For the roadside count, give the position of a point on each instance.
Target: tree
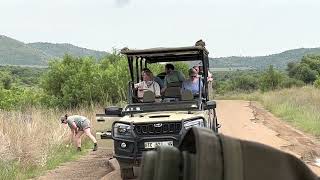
(304, 73)
(6, 79)
(307, 70)
(317, 82)
(245, 83)
(76, 81)
(270, 79)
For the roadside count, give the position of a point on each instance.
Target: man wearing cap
(79, 125)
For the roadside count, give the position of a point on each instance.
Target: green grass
(298, 106)
(59, 155)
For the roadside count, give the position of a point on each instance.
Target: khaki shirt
(147, 86)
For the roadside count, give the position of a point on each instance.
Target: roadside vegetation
(32, 100)
(293, 95)
(33, 141)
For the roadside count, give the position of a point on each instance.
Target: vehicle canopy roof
(155, 55)
(138, 59)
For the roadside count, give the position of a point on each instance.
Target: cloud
(122, 3)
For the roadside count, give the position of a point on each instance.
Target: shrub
(76, 81)
(245, 83)
(291, 82)
(270, 79)
(317, 82)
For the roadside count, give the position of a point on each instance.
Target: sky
(229, 27)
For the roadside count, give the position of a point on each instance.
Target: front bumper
(134, 149)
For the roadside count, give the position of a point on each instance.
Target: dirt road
(249, 121)
(241, 119)
(92, 166)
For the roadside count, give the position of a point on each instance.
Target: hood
(162, 116)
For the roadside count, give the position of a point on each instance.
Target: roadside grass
(298, 106)
(34, 141)
(61, 154)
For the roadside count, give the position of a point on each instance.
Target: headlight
(191, 123)
(120, 129)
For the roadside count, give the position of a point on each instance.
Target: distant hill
(14, 52)
(279, 61)
(17, 53)
(58, 50)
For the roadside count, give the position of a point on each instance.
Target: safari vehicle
(159, 121)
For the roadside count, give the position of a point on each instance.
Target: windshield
(168, 83)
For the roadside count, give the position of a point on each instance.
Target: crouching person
(79, 125)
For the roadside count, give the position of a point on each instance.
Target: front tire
(126, 171)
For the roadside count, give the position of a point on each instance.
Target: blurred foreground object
(203, 155)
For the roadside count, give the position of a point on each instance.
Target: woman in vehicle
(193, 83)
(148, 84)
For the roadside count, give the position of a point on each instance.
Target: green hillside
(279, 61)
(14, 52)
(58, 50)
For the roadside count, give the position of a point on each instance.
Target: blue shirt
(192, 86)
(159, 81)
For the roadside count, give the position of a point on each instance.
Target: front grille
(153, 129)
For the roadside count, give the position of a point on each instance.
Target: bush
(307, 70)
(245, 83)
(291, 82)
(76, 81)
(317, 82)
(18, 98)
(6, 79)
(223, 87)
(271, 79)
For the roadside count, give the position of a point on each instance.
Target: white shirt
(147, 86)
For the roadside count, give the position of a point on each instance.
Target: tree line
(76, 81)
(72, 82)
(305, 72)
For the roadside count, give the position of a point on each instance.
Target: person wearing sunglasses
(193, 83)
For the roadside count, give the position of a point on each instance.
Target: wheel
(126, 170)
(127, 173)
(216, 125)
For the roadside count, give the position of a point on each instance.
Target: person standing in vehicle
(197, 68)
(79, 125)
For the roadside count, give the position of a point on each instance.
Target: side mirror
(113, 111)
(210, 105)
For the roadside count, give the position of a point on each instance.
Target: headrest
(172, 92)
(186, 95)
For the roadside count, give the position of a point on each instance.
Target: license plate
(152, 145)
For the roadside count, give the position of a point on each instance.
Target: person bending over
(79, 125)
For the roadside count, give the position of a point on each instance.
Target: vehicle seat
(148, 96)
(174, 84)
(172, 92)
(161, 75)
(186, 95)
